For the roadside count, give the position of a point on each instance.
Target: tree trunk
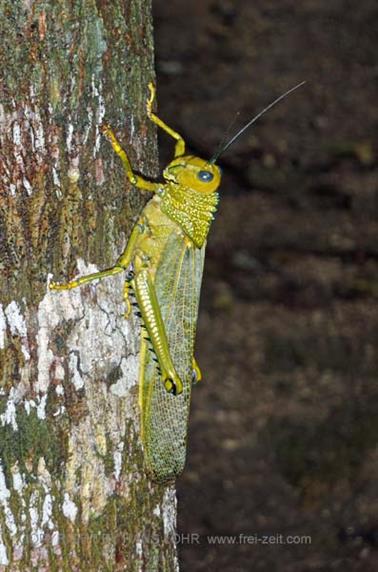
(73, 493)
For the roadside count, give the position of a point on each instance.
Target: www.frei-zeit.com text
(253, 539)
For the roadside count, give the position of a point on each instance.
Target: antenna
(224, 138)
(253, 120)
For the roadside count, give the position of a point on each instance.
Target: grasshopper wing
(165, 416)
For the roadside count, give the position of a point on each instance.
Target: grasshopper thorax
(193, 173)
(190, 195)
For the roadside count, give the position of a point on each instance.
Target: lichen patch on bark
(70, 394)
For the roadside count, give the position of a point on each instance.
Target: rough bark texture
(73, 494)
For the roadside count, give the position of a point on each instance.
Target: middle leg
(121, 265)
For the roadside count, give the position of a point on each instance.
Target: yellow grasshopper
(163, 261)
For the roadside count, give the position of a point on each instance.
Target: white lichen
(4, 496)
(39, 132)
(15, 320)
(139, 548)
(55, 175)
(17, 326)
(169, 511)
(59, 389)
(9, 415)
(97, 92)
(76, 378)
(27, 186)
(4, 561)
(16, 131)
(29, 404)
(35, 523)
(18, 480)
(129, 368)
(69, 136)
(3, 328)
(69, 508)
(48, 319)
(41, 406)
(47, 512)
(55, 538)
(4, 492)
(157, 511)
(117, 458)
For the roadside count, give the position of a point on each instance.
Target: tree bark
(73, 493)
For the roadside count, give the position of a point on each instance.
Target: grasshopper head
(193, 172)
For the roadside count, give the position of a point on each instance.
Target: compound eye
(205, 176)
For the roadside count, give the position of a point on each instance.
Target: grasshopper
(163, 265)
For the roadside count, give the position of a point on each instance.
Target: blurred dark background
(284, 426)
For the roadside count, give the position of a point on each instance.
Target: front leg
(134, 179)
(180, 143)
(153, 321)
